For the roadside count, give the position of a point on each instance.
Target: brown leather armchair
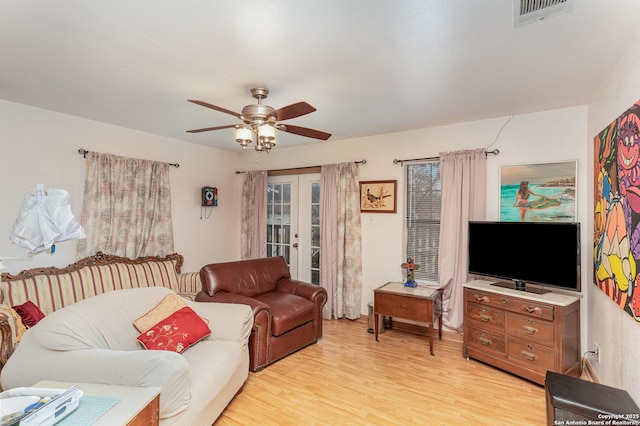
(287, 313)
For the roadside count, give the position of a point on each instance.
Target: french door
(293, 223)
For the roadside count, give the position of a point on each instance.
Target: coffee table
(138, 405)
(421, 304)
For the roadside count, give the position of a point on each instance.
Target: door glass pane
(277, 234)
(286, 193)
(286, 213)
(277, 194)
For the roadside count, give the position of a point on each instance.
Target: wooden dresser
(520, 332)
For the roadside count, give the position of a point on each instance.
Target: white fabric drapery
(126, 208)
(463, 177)
(253, 235)
(340, 240)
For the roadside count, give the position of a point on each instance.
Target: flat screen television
(546, 254)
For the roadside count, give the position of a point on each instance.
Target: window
(422, 217)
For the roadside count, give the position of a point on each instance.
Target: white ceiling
(368, 66)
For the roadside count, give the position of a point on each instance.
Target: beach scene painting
(538, 192)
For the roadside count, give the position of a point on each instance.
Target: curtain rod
(84, 153)
(494, 152)
(299, 168)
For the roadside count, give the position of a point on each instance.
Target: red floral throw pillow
(29, 313)
(177, 332)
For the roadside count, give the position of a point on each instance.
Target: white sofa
(54, 288)
(94, 341)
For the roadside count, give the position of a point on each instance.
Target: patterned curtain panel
(463, 176)
(253, 232)
(126, 208)
(341, 245)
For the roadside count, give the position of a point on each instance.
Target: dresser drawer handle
(530, 330)
(485, 318)
(483, 299)
(529, 356)
(484, 341)
(534, 310)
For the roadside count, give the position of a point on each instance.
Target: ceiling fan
(262, 120)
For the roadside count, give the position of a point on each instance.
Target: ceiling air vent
(527, 11)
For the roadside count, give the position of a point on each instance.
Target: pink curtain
(126, 207)
(253, 235)
(463, 177)
(340, 240)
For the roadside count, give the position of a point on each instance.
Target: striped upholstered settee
(53, 288)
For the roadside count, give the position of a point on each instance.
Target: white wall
(548, 136)
(40, 146)
(617, 334)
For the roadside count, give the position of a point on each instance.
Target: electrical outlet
(597, 351)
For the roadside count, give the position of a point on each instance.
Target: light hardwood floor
(349, 379)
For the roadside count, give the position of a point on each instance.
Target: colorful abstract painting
(617, 210)
(538, 192)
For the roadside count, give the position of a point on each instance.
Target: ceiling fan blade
(303, 131)
(293, 111)
(208, 129)
(217, 108)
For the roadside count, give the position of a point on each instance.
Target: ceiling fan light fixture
(244, 136)
(266, 137)
(262, 120)
(267, 133)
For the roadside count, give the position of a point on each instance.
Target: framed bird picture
(378, 196)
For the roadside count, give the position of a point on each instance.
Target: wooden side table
(421, 304)
(139, 405)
